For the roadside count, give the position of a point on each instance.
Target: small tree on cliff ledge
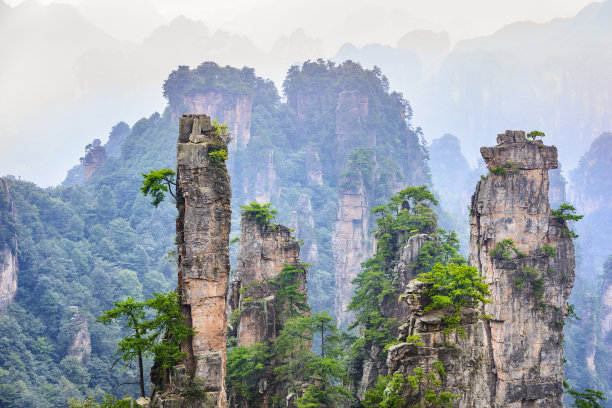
(157, 183)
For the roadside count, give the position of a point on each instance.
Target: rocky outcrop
(80, 343)
(404, 273)
(94, 158)
(203, 224)
(264, 250)
(351, 126)
(235, 111)
(529, 285)
(464, 357)
(302, 223)
(9, 265)
(351, 246)
(257, 313)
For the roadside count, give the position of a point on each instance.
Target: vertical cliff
(94, 158)
(233, 110)
(80, 342)
(8, 248)
(258, 312)
(527, 257)
(604, 354)
(202, 226)
(264, 250)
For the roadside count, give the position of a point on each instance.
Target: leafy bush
(218, 156)
(548, 251)
(566, 212)
(261, 213)
(504, 249)
(535, 133)
(455, 286)
(156, 183)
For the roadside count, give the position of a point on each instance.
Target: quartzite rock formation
(529, 286)
(464, 357)
(203, 200)
(256, 313)
(8, 248)
(264, 250)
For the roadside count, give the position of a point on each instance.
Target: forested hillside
(89, 243)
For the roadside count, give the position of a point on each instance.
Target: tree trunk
(142, 391)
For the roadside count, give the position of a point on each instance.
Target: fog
(71, 70)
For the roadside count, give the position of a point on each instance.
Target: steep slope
(9, 265)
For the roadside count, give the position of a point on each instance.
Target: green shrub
(548, 251)
(535, 133)
(261, 213)
(504, 249)
(218, 156)
(456, 286)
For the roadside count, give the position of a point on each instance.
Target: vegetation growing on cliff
(263, 214)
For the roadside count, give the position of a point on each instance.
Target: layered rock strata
(203, 224)
(530, 275)
(257, 313)
(264, 250)
(9, 266)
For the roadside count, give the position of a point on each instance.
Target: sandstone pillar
(529, 283)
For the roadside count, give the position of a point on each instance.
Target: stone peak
(514, 150)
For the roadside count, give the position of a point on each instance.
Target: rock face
(8, 248)
(203, 225)
(255, 309)
(95, 157)
(264, 250)
(464, 357)
(404, 273)
(80, 344)
(529, 288)
(351, 246)
(225, 108)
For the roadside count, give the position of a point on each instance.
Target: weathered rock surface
(203, 226)
(351, 246)
(235, 111)
(9, 266)
(80, 343)
(257, 315)
(464, 357)
(529, 289)
(391, 308)
(264, 250)
(95, 157)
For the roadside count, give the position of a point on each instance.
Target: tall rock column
(527, 257)
(8, 248)
(264, 250)
(202, 235)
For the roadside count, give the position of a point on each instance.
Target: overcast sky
(40, 78)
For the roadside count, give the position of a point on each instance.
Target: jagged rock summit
(527, 257)
(203, 194)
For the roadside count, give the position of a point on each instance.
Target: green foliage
(532, 277)
(159, 337)
(499, 170)
(456, 287)
(290, 298)
(589, 398)
(566, 212)
(504, 249)
(535, 133)
(548, 251)
(245, 367)
(156, 183)
(386, 393)
(218, 156)
(261, 213)
(223, 132)
(444, 250)
(571, 312)
(108, 402)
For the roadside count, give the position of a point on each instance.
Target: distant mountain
(553, 77)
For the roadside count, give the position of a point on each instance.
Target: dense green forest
(84, 245)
